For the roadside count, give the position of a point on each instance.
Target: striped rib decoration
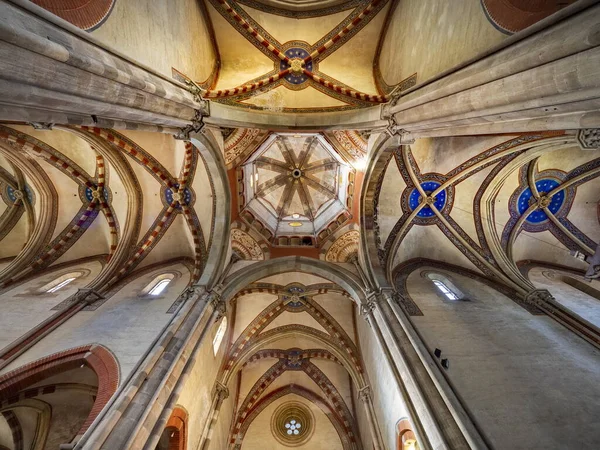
(87, 216)
(283, 354)
(148, 243)
(132, 151)
(247, 87)
(198, 243)
(189, 214)
(58, 162)
(368, 10)
(345, 91)
(254, 32)
(114, 237)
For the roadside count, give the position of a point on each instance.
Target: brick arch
(177, 427)
(511, 16)
(85, 14)
(96, 357)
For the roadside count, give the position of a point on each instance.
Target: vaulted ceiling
(286, 56)
(131, 200)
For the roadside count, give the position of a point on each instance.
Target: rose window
(293, 427)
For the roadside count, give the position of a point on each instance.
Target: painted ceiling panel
(203, 204)
(281, 97)
(249, 306)
(71, 146)
(152, 200)
(289, 318)
(584, 212)
(462, 209)
(67, 191)
(174, 244)
(240, 60)
(457, 30)
(390, 210)
(341, 308)
(430, 242)
(166, 150)
(352, 63)
(15, 240)
(95, 241)
(286, 29)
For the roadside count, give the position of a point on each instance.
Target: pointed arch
(342, 277)
(97, 357)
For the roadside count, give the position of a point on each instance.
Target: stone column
(81, 299)
(549, 80)
(221, 393)
(543, 299)
(367, 399)
(52, 73)
(140, 411)
(439, 419)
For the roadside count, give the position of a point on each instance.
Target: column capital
(589, 138)
(395, 129)
(42, 125)
(218, 303)
(539, 297)
(221, 391)
(87, 296)
(367, 307)
(197, 124)
(364, 393)
(191, 291)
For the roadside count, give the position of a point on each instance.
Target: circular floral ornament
(442, 201)
(292, 424)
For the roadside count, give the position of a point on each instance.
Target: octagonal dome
(296, 184)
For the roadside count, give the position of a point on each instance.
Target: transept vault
(323, 225)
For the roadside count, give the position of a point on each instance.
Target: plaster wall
(162, 35)
(387, 401)
(197, 393)
(456, 31)
(363, 423)
(220, 437)
(126, 323)
(512, 370)
(23, 307)
(259, 435)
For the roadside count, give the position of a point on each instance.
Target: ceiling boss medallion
(297, 65)
(435, 199)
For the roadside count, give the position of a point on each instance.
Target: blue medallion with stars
(89, 196)
(543, 186)
(296, 53)
(415, 199)
(13, 197)
(187, 196)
